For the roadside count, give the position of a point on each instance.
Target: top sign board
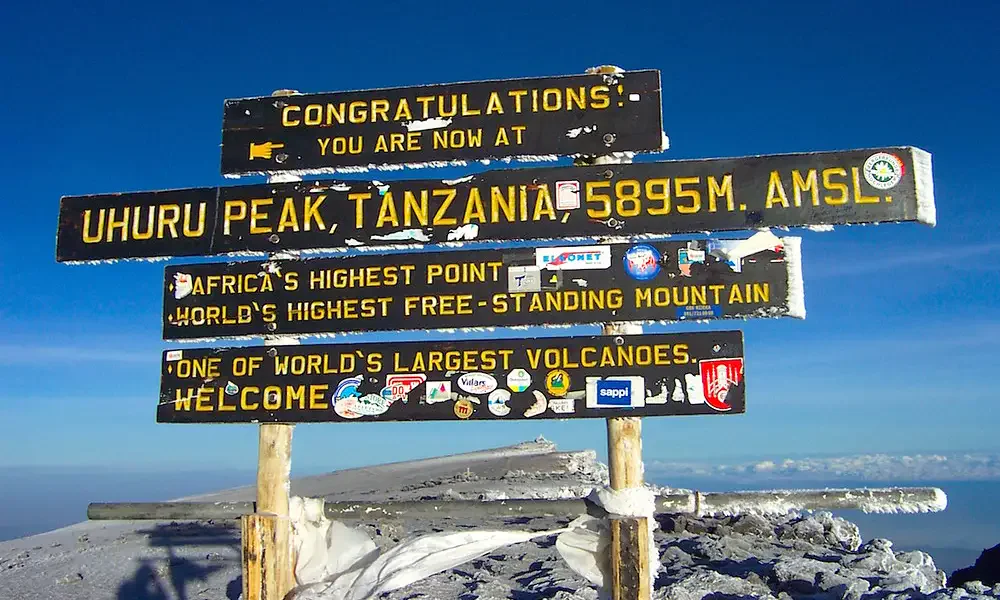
(324, 133)
(657, 198)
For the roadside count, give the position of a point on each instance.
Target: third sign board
(649, 281)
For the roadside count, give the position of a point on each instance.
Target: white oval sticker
(477, 383)
(371, 405)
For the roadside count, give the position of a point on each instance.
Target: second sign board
(654, 281)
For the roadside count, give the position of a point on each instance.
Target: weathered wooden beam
(259, 537)
(778, 501)
(630, 541)
(629, 563)
(345, 511)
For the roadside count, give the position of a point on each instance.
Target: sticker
(660, 398)
(633, 97)
(687, 257)
(437, 391)
(463, 409)
(567, 195)
(717, 376)
(345, 407)
(573, 258)
(347, 387)
(477, 383)
(174, 355)
(524, 279)
(734, 252)
(401, 384)
(700, 311)
(616, 392)
(183, 284)
(883, 170)
(497, 402)
(557, 382)
(518, 380)
(642, 262)
(678, 395)
(371, 405)
(538, 406)
(231, 388)
(562, 406)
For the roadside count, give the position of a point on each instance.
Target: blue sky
(899, 348)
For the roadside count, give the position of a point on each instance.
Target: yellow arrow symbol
(263, 150)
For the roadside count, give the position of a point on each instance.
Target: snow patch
(576, 131)
(820, 228)
(924, 180)
(469, 231)
(796, 299)
(457, 181)
(406, 234)
(425, 124)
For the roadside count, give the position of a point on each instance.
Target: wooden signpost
(649, 281)
(580, 244)
(582, 203)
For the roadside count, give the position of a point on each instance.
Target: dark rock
(755, 525)
(986, 570)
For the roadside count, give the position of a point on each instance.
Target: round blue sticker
(642, 262)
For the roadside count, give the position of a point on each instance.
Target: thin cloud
(932, 257)
(864, 467)
(33, 355)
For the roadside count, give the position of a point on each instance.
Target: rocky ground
(798, 556)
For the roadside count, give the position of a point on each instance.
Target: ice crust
(786, 555)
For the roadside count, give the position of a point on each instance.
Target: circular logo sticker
(518, 380)
(557, 382)
(883, 170)
(463, 409)
(642, 262)
(497, 403)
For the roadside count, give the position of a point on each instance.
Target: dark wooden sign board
(660, 198)
(595, 114)
(545, 378)
(648, 281)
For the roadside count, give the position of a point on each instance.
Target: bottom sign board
(547, 378)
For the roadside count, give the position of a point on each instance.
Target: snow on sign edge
(796, 289)
(923, 178)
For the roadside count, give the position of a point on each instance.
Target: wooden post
(259, 536)
(271, 527)
(274, 461)
(629, 536)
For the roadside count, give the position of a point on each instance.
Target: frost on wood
(924, 177)
(796, 300)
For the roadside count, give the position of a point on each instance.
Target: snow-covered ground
(798, 556)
